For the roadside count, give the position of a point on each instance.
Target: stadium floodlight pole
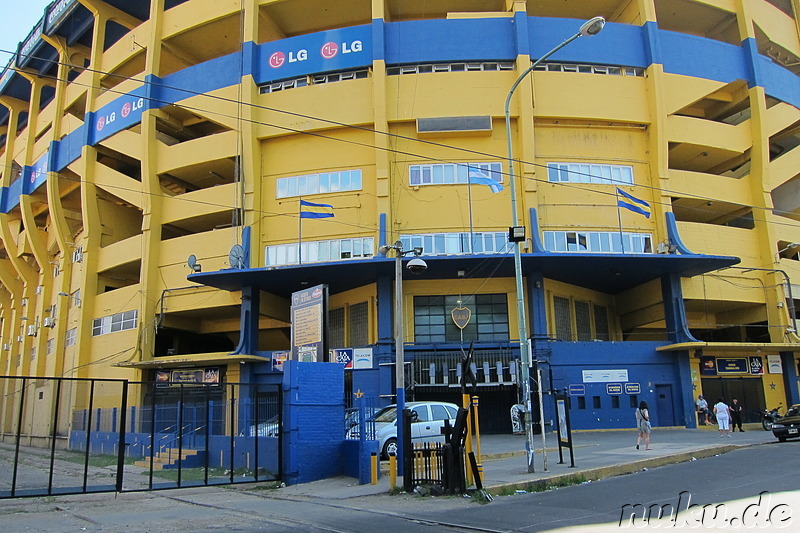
(590, 27)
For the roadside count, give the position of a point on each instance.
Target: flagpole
(469, 196)
(300, 231)
(619, 219)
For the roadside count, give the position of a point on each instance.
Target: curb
(598, 473)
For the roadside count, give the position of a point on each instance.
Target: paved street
(751, 462)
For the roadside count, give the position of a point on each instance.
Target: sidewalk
(598, 454)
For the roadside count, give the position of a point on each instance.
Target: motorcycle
(769, 417)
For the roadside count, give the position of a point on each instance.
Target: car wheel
(390, 448)
(767, 425)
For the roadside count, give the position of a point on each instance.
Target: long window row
(324, 182)
(314, 79)
(114, 323)
(479, 242)
(612, 70)
(450, 173)
(486, 66)
(586, 173)
(318, 251)
(598, 242)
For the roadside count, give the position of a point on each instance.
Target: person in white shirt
(722, 412)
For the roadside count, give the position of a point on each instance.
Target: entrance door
(749, 392)
(665, 411)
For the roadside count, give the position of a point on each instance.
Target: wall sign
(605, 376)
(309, 309)
(774, 364)
(732, 365)
(577, 389)
(756, 364)
(614, 389)
(633, 388)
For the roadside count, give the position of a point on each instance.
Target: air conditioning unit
(24, 302)
(49, 322)
(31, 331)
(19, 338)
(77, 255)
(6, 347)
(56, 271)
(39, 289)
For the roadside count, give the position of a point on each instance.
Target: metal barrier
(73, 435)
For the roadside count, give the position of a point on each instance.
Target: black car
(788, 426)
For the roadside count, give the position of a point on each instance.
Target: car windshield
(386, 415)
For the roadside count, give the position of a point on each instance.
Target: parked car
(427, 426)
(269, 428)
(788, 426)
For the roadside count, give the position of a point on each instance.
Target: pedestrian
(702, 408)
(643, 425)
(722, 413)
(736, 414)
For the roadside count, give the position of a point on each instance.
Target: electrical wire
(238, 102)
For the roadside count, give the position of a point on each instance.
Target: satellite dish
(236, 256)
(193, 264)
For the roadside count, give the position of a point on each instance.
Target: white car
(427, 427)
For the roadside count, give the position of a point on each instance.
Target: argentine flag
(312, 210)
(480, 177)
(635, 204)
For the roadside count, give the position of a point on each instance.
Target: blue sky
(16, 22)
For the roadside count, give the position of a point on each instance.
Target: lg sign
(329, 50)
(127, 109)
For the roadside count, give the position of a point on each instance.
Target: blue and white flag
(480, 177)
(635, 204)
(312, 210)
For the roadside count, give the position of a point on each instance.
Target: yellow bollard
(393, 471)
(466, 403)
(477, 437)
(374, 465)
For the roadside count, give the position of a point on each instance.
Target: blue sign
(35, 175)
(633, 388)
(26, 47)
(732, 365)
(578, 389)
(122, 113)
(325, 51)
(342, 355)
(57, 13)
(614, 389)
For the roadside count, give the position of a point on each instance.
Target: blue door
(665, 411)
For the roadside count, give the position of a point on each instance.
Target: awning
(724, 348)
(608, 273)
(193, 360)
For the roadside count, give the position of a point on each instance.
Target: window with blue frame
(451, 173)
(324, 182)
(477, 242)
(488, 322)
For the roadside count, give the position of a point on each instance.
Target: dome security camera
(417, 266)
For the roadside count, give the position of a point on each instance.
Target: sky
(17, 18)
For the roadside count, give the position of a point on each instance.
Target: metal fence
(71, 435)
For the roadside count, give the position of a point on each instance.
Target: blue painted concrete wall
(313, 422)
(645, 367)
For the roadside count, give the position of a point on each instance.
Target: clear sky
(17, 18)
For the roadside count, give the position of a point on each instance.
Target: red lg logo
(126, 109)
(101, 122)
(277, 60)
(329, 50)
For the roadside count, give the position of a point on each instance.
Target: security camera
(384, 249)
(417, 266)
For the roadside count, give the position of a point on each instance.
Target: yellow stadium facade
(280, 143)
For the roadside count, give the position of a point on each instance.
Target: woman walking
(722, 412)
(643, 425)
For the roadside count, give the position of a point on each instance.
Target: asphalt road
(728, 485)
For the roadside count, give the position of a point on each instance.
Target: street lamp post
(416, 266)
(590, 27)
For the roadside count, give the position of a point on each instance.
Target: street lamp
(416, 266)
(590, 27)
